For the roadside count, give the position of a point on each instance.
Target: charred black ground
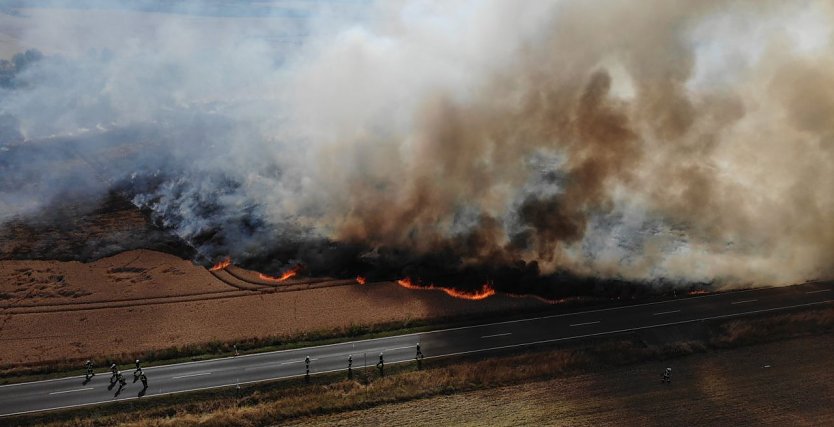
(86, 229)
(91, 228)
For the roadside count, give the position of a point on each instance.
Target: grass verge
(290, 399)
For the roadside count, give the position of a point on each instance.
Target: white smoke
(688, 141)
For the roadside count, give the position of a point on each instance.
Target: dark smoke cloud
(497, 140)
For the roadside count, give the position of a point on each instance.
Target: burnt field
(85, 229)
(90, 228)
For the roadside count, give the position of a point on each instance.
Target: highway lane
(250, 368)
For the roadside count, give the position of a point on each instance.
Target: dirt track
(143, 300)
(729, 387)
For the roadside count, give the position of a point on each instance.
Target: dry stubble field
(728, 387)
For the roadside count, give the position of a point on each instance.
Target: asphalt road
(249, 368)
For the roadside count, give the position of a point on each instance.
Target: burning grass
(221, 265)
(286, 275)
(484, 292)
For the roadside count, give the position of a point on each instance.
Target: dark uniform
(88, 367)
(121, 379)
(144, 380)
(381, 366)
(419, 357)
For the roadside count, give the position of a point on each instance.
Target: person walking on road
(121, 379)
(88, 368)
(667, 376)
(137, 371)
(419, 357)
(381, 366)
(144, 380)
(115, 371)
(307, 369)
(350, 366)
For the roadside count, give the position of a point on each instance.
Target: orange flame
(292, 272)
(486, 290)
(361, 280)
(222, 264)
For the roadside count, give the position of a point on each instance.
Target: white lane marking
(269, 365)
(434, 357)
(192, 375)
(297, 361)
(71, 391)
(665, 312)
(744, 301)
(497, 335)
(270, 353)
(586, 323)
(816, 292)
(398, 348)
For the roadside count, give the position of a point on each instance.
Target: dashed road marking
(298, 361)
(192, 375)
(666, 312)
(586, 323)
(497, 335)
(816, 292)
(71, 391)
(744, 301)
(398, 348)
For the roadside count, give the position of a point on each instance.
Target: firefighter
(419, 357)
(144, 380)
(121, 379)
(381, 366)
(667, 375)
(114, 370)
(88, 367)
(307, 370)
(137, 371)
(350, 366)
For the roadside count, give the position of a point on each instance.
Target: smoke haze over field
(661, 140)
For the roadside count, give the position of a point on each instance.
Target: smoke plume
(664, 140)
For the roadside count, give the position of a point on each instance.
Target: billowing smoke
(663, 140)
